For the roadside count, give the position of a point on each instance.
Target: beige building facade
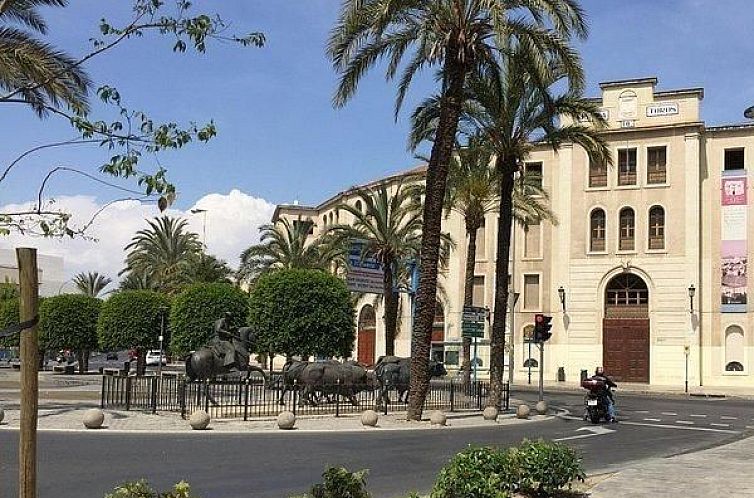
(645, 271)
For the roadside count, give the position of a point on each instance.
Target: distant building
(650, 255)
(50, 268)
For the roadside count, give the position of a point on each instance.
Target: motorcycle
(594, 401)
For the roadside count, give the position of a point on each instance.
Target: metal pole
(162, 331)
(541, 371)
(528, 361)
(686, 353)
(476, 358)
(29, 309)
(512, 334)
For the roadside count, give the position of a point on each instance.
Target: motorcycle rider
(606, 393)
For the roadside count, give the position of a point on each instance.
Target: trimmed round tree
(9, 315)
(302, 312)
(194, 311)
(69, 321)
(131, 319)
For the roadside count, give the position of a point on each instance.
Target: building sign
(662, 109)
(628, 123)
(364, 273)
(733, 254)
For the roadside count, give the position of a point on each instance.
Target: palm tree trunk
(80, 359)
(390, 300)
(507, 167)
(437, 174)
(468, 298)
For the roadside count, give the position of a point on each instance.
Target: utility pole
(29, 309)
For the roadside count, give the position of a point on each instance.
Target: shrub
(338, 482)
(69, 321)
(9, 313)
(140, 489)
(545, 467)
(302, 312)
(477, 472)
(195, 310)
(131, 319)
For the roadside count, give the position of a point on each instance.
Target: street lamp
(749, 113)
(163, 309)
(562, 295)
(692, 292)
(204, 223)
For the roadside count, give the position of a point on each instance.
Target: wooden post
(29, 309)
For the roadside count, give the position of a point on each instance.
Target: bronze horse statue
(209, 362)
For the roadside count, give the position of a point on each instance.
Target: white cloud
(232, 222)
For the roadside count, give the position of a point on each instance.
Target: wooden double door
(625, 349)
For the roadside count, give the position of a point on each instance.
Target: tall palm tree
(473, 193)
(43, 75)
(456, 38)
(163, 251)
(284, 245)
(511, 111)
(389, 229)
(91, 283)
(205, 268)
(137, 281)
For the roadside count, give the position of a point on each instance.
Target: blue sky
(279, 137)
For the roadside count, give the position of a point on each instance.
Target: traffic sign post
(472, 325)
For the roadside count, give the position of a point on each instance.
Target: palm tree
(388, 228)
(284, 245)
(511, 112)
(137, 281)
(456, 38)
(42, 75)
(92, 283)
(205, 268)
(473, 193)
(163, 251)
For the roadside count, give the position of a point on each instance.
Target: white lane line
(698, 416)
(750, 427)
(653, 420)
(640, 411)
(684, 422)
(681, 427)
(719, 425)
(672, 414)
(728, 418)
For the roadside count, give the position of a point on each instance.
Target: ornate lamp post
(562, 295)
(692, 292)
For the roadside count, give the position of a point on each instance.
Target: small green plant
(141, 489)
(339, 482)
(545, 467)
(477, 472)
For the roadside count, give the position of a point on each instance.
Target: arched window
(657, 228)
(597, 230)
(627, 221)
(734, 349)
(358, 206)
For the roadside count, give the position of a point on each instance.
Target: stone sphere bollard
(523, 411)
(199, 420)
(541, 407)
(2, 415)
(369, 418)
(286, 420)
(438, 418)
(94, 418)
(490, 413)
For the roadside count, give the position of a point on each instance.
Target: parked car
(112, 356)
(153, 358)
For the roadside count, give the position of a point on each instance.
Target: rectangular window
(627, 167)
(478, 295)
(481, 246)
(535, 171)
(531, 292)
(734, 159)
(597, 174)
(656, 165)
(532, 237)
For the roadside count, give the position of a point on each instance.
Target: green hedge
(302, 312)
(195, 310)
(9, 312)
(132, 319)
(69, 321)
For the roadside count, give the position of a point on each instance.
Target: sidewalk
(724, 471)
(645, 389)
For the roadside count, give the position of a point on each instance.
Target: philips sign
(662, 109)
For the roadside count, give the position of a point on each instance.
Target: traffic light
(542, 327)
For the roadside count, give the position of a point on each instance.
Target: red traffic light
(539, 318)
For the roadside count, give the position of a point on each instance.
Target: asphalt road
(284, 464)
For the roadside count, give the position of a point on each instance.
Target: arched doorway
(625, 329)
(367, 336)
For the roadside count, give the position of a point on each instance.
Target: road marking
(719, 425)
(728, 418)
(672, 414)
(682, 427)
(698, 416)
(641, 411)
(685, 422)
(750, 427)
(596, 430)
(653, 420)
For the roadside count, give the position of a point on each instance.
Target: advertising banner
(733, 253)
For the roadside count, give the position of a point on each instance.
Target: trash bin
(584, 375)
(561, 374)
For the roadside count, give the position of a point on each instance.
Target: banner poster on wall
(733, 254)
